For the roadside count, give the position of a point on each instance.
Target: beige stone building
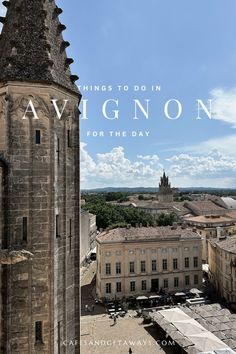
(88, 233)
(211, 226)
(222, 266)
(138, 261)
(39, 183)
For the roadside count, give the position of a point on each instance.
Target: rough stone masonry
(39, 184)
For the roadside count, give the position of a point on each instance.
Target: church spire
(31, 44)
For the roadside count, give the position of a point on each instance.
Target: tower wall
(42, 217)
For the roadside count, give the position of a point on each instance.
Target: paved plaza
(99, 334)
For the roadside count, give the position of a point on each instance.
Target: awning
(180, 294)
(154, 297)
(206, 341)
(225, 351)
(190, 334)
(205, 268)
(196, 291)
(141, 298)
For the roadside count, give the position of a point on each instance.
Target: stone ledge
(8, 257)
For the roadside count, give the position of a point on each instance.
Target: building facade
(137, 261)
(222, 266)
(211, 226)
(88, 233)
(39, 192)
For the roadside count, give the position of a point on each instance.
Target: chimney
(219, 232)
(174, 226)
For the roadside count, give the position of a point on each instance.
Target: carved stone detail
(13, 257)
(20, 105)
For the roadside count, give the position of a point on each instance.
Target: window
(154, 265)
(68, 138)
(175, 263)
(196, 279)
(118, 268)
(37, 137)
(118, 287)
(143, 266)
(186, 262)
(59, 337)
(165, 283)
(187, 281)
(131, 267)
(38, 332)
(108, 288)
(108, 268)
(132, 286)
(57, 226)
(58, 152)
(144, 285)
(195, 262)
(70, 234)
(164, 264)
(24, 229)
(176, 282)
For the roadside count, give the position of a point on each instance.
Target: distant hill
(153, 190)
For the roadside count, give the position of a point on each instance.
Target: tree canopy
(111, 216)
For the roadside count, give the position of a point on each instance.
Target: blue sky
(186, 47)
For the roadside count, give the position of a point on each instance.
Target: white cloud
(115, 169)
(153, 160)
(149, 157)
(225, 145)
(2, 10)
(198, 169)
(87, 165)
(224, 105)
(213, 165)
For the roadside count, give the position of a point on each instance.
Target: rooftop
(231, 214)
(175, 207)
(146, 234)
(198, 329)
(204, 206)
(31, 44)
(210, 219)
(228, 244)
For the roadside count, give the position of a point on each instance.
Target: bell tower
(39, 183)
(165, 194)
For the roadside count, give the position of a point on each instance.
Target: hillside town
(177, 275)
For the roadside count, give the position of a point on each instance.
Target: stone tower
(39, 183)
(165, 194)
